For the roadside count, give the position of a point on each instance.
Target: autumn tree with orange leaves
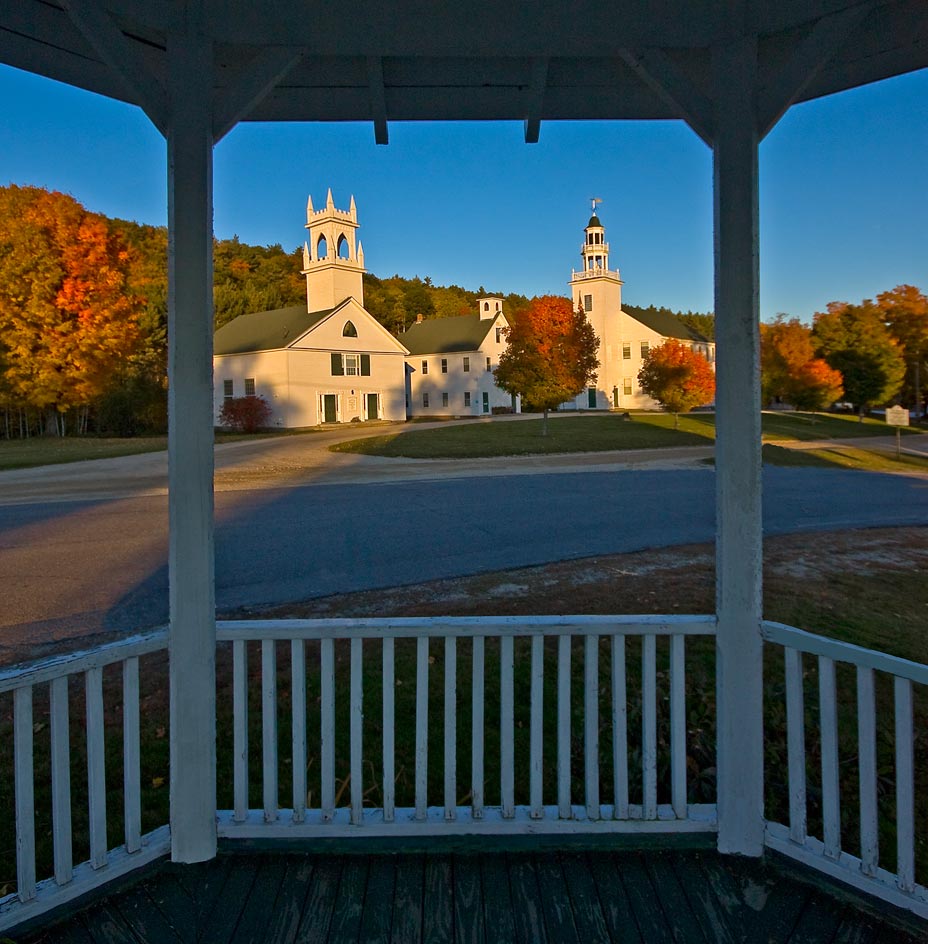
(791, 372)
(677, 377)
(550, 355)
(67, 321)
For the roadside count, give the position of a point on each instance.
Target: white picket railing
(825, 852)
(376, 639)
(33, 897)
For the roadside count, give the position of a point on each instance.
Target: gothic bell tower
(333, 259)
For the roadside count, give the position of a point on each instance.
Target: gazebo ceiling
(471, 60)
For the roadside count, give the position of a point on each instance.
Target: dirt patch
(680, 579)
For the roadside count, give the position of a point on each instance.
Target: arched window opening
(349, 331)
(486, 306)
(322, 248)
(343, 251)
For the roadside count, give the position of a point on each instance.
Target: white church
(624, 339)
(330, 361)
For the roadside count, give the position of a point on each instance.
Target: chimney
(419, 318)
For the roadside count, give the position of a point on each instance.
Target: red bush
(245, 414)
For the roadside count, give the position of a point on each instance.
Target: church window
(467, 398)
(425, 399)
(499, 334)
(498, 306)
(444, 365)
(352, 365)
(249, 386)
(645, 347)
(343, 251)
(627, 386)
(322, 248)
(425, 367)
(228, 390)
(486, 306)
(444, 398)
(489, 368)
(466, 365)
(587, 302)
(349, 331)
(626, 352)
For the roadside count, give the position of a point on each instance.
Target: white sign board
(897, 416)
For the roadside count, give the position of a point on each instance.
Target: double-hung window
(466, 365)
(645, 347)
(425, 367)
(228, 390)
(249, 386)
(444, 365)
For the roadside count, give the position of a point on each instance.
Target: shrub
(245, 414)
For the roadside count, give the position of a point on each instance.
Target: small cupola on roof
(489, 307)
(595, 249)
(333, 258)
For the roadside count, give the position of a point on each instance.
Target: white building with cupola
(328, 361)
(624, 339)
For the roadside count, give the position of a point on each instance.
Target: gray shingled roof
(265, 330)
(664, 323)
(447, 335)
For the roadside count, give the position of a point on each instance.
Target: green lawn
(598, 433)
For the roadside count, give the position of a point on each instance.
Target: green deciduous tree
(677, 377)
(854, 340)
(905, 312)
(550, 356)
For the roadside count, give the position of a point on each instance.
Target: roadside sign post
(897, 416)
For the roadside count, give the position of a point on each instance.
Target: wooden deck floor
(581, 897)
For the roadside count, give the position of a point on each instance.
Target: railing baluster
(389, 749)
(25, 793)
(564, 809)
(678, 725)
(269, 727)
(240, 729)
(477, 724)
(451, 727)
(327, 725)
(356, 725)
(831, 795)
(96, 766)
(905, 786)
(591, 725)
(298, 726)
(61, 779)
(649, 726)
(507, 738)
(132, 777)
(422, 727)
(795, 744)
(536, 725)
(619, 730)
(866, 753)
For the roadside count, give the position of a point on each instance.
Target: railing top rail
(466, 626)
(70, 663)
(839, 651)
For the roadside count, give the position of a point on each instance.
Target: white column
(737, 452)
(190, 449)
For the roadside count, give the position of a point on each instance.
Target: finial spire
(309, 206)
(306, 259)
(352, 209)
(329, 202)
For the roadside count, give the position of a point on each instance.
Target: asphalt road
(92, 560)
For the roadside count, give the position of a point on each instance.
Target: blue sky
(844, 200)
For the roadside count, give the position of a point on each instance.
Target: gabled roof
(266, 330)
(664, 323)
(447, 335)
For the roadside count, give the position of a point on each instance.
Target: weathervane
(594, 201)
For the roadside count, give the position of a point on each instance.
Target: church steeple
(595, 249)
(333, 261)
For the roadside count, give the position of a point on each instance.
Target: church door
(373, 409)
(591, 397)
(329, 408)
